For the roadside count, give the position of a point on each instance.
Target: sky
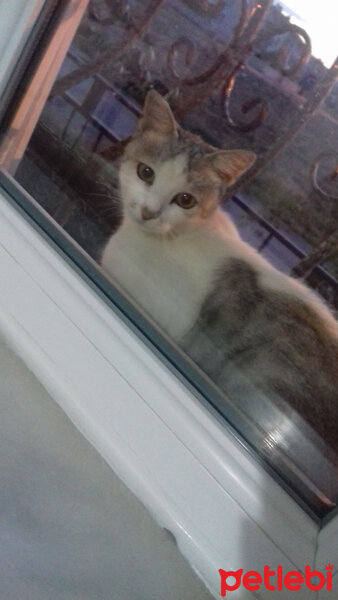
(320, 19)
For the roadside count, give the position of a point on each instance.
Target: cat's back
(263, 336)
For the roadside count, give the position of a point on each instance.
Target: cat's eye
(145, 173)
(184, 200)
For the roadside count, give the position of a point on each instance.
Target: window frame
(17, 19)
(203, 486)
(137, 393)
(31, 104)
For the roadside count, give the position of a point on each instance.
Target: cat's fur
(168, 264)
(250, 327)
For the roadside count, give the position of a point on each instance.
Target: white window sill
(197, 480)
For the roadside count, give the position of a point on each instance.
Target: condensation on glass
(241, 74)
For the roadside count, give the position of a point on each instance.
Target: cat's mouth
(153, 226)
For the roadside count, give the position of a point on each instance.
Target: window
(241, 75)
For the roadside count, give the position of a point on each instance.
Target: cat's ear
(157, 115)
(229, 165)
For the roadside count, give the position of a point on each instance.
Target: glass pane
(202, 236)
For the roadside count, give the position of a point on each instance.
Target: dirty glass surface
(260, 76)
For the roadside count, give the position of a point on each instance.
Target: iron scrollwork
(283, 55)
(186, 48)
(259, 105)
(222, 74)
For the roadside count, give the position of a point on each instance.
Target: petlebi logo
(276, 579)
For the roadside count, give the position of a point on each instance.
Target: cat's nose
(148, 214)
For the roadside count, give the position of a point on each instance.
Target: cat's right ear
(230, 165)
(157, 116)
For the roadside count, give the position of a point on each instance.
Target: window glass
(203, 236)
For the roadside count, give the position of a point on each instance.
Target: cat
(167, 250)
(254, 330)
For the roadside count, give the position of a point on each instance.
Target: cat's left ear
(229, 165)
(157, 115)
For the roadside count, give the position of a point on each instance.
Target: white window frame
(198, 481)
(16, 23)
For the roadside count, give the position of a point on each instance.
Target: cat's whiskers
(109, 211)
(167, 235)
(110, 197)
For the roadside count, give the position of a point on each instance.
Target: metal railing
(193, 87)
(274, 234)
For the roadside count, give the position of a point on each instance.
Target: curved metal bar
(322, 88)
(181, 44)
(304, 56)
(108, 58)
(184, 44)
(259, 104)
(284, 53)
(254, 21)
(314, 174)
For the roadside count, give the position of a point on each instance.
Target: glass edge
(29, 57)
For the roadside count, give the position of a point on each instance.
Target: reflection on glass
(185, 226)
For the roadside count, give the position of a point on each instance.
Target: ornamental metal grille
(238, 73)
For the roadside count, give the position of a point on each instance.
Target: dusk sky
(320, 20)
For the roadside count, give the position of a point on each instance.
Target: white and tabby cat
(181, 259)
(171, 241)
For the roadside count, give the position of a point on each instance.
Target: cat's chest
(168, 278)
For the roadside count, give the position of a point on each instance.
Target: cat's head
(170, 180)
